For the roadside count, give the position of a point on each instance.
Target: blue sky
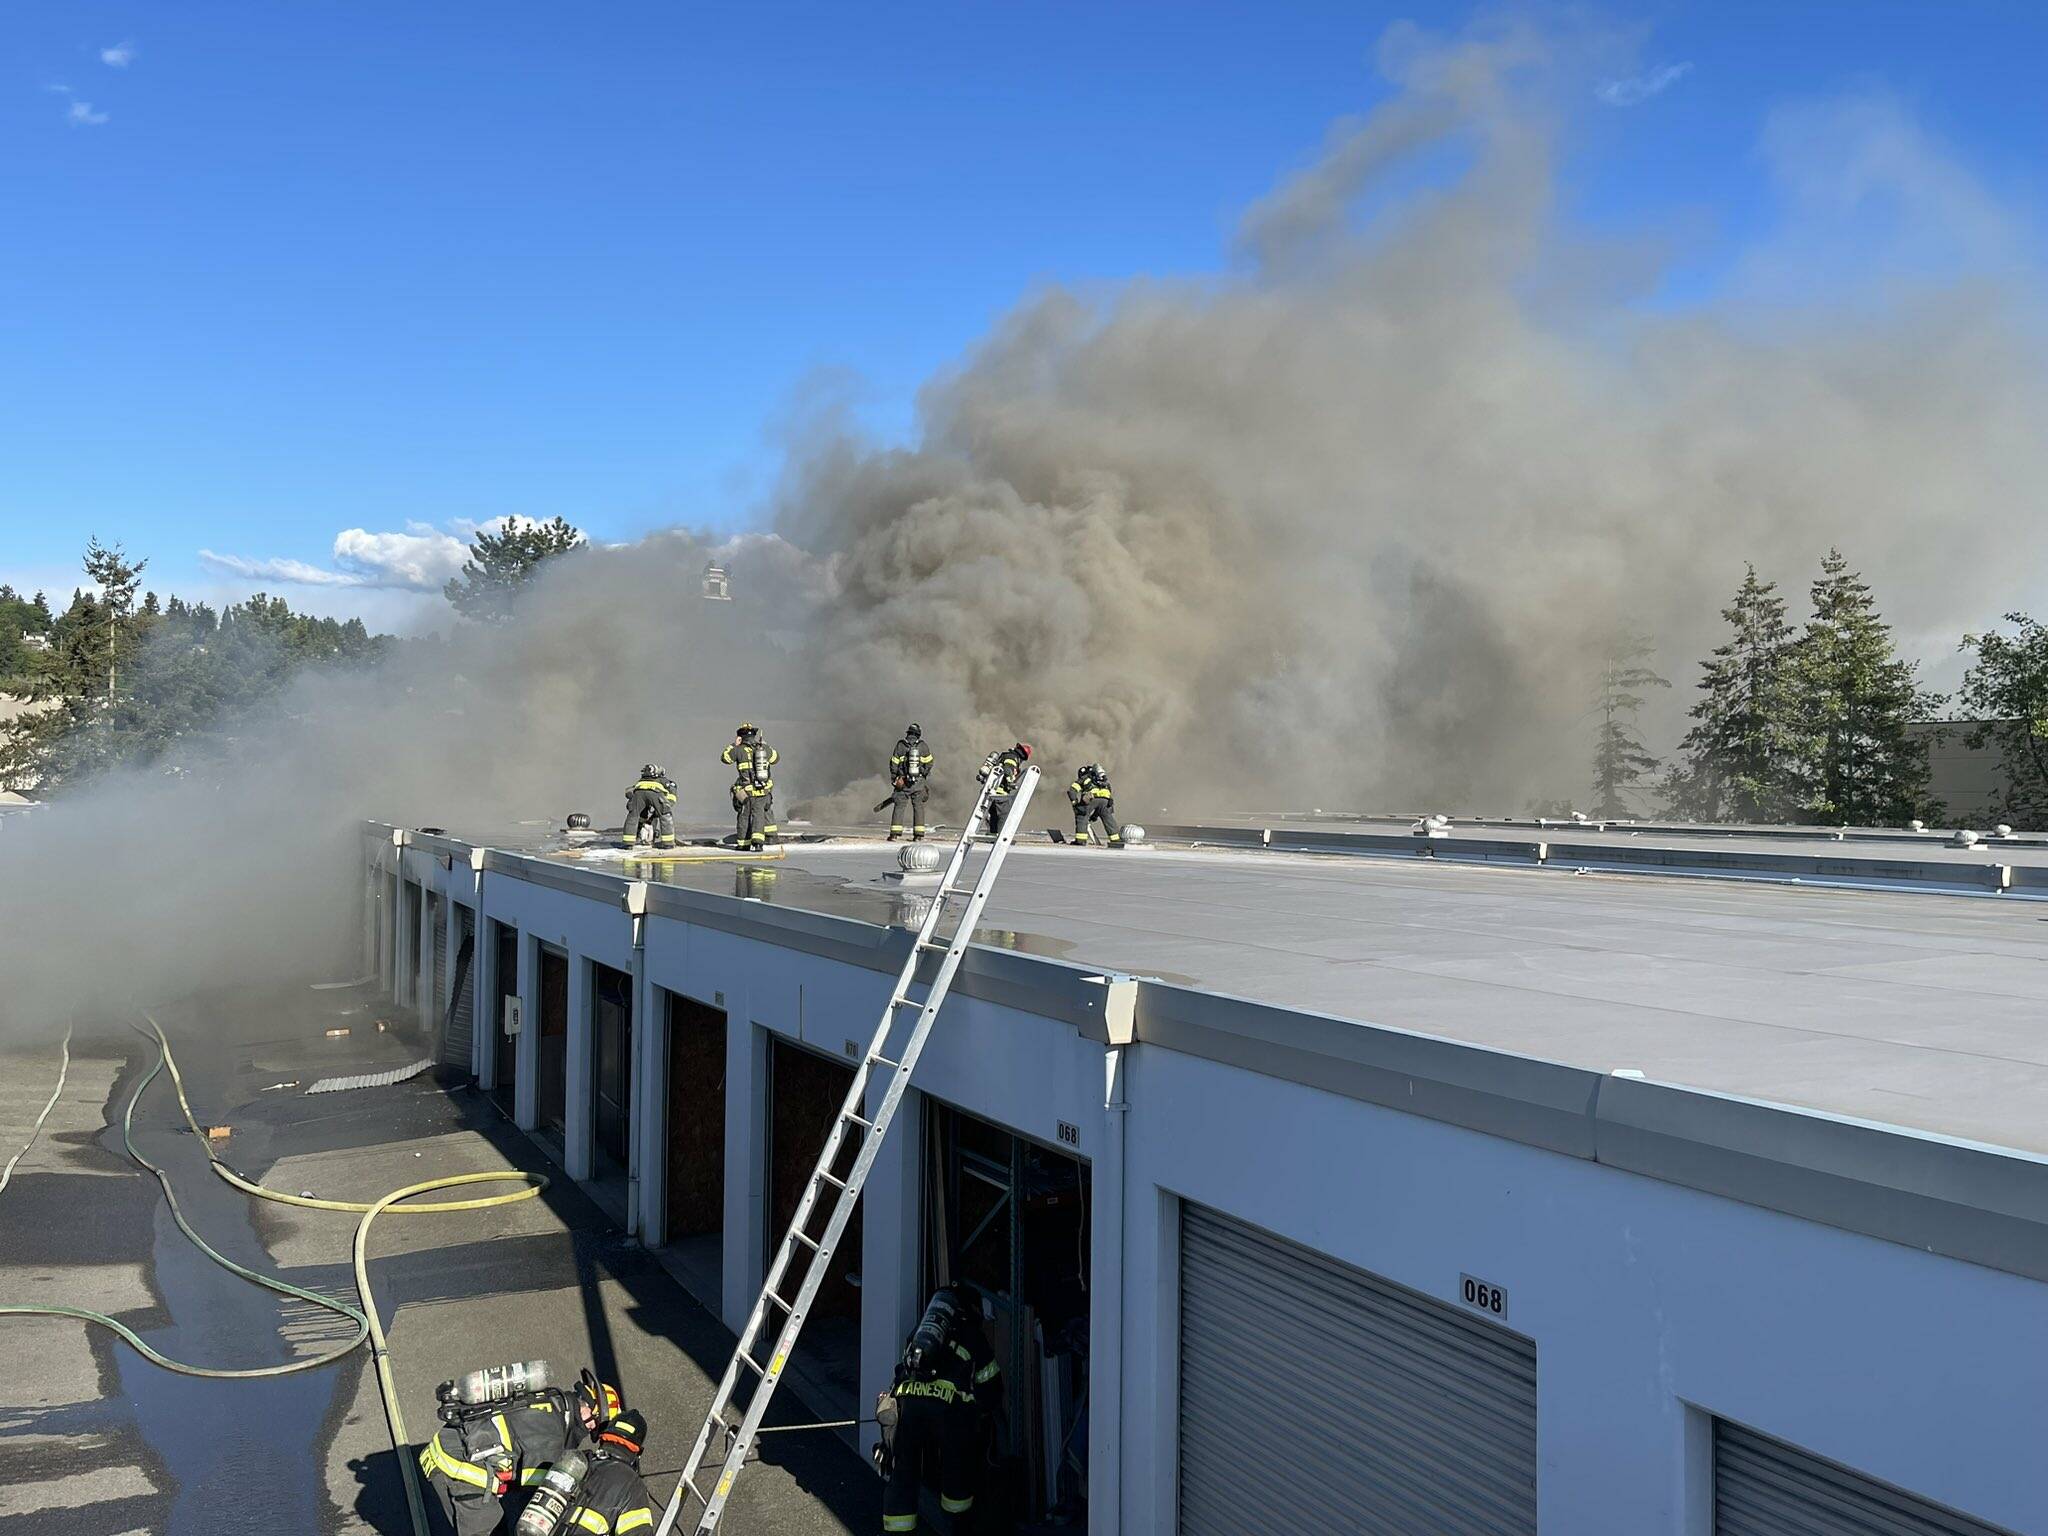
(272, 271)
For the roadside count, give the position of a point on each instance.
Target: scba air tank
(547, 1512)
(501, 1382)
(933, 1332)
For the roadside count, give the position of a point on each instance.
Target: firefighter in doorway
(945, 1385)
(753, 792)
(650, 803)
(910, 771)
(499, 1434)
(1094, 801)
(1006, 767)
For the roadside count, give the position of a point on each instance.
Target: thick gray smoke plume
(1344, 527)
(1348, 526)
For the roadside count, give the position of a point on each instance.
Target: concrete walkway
(92, 1438)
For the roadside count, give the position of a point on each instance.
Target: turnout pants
(644, 806)
(925, 1425)
(756, 818)
(472, 1509)
(998, 809)
(1104, 811)
(906, 811)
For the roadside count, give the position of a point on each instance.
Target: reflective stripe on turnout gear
(956, 1506)
(899, 1522)
(434, 1457)
(945, 1391)
(634, 1520)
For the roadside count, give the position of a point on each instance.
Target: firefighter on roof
(1094, 801)
(753, 792)
(1006, 768)
(650, 802)
(910, 770)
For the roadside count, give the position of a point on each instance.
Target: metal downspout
(1106, 1284)
(636, 906)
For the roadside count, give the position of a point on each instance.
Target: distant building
(717, 585)
(35, 642)
(1971, 782)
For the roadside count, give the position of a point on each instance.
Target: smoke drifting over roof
(1344, 526)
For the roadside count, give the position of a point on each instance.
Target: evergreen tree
(2006, 689)
(1737, 759)
(499, 564)
(187, 677)
(1853, 699)
(117, 578)
(1619, 759)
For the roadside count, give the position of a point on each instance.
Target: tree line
(121, 680)
(1821, 722)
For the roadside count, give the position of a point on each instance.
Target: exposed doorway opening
(552, 1101)
(505, 1058)
(805, 1092)
(695, 1228)
(611, 1076)
(458, 1032)
(405, 981)
(1008, 1218)
(430, 1005)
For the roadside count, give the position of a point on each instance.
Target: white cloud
(1632, 90)
(420, 559)
(82, 115)
(296, 572)
(120, 56)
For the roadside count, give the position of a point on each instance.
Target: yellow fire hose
(369, 1325)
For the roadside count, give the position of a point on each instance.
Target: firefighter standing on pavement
(945, 1384)
(910, 770)
(1006, 768)
(487, 1452)
(753, 792)
(651, 801)
(1093, 801)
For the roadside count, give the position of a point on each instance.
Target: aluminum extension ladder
(747, 1364)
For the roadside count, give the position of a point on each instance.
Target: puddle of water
(240, 1454)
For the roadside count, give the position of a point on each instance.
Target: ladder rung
(878, 1059)
(759, 1369)
(814, 1247)
(865, 1125)
(900, 1001)
(956, 890)
(836, 1183)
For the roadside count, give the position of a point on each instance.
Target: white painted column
(1106, 1308)
(483, 966)
(891, 1236)
(746, 1163)
(578, 1129)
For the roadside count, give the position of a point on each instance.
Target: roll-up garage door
(455, 1038)
(1316, 1397)
(430, 1004)
(1764, 1487)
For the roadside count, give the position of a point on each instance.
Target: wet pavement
(94, 1438)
